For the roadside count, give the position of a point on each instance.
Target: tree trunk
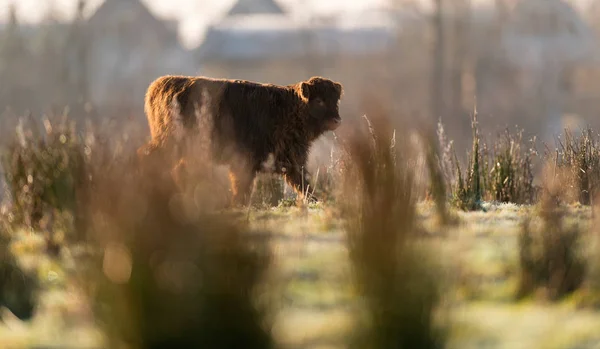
(460, 49)
(437, 81)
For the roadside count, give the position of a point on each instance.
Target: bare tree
(15, 70)
(460, 48)
(77, 49)
(437, 80)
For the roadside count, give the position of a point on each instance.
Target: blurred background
(531, 64)
(534, 64)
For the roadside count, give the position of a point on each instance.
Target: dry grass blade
(468, 193)
(437, 180)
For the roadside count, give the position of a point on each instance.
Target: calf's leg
(242, 180)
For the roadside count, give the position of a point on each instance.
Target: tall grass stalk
(467, 192)
(395, 282)
(579, 155)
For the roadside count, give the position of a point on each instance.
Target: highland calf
(249, 123)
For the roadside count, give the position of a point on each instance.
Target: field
(461, 273)
(481, 254)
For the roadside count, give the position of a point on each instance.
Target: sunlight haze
(193, 15)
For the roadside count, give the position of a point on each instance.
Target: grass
(510, 175)
(501, 172)
(577, 156)
(154, 265)
(468, 192)
(320, 301)
(393, 278)
(550, 254)
(435, 161)
(18, 287)
(173, 272)
(42, 168)
(160, 268)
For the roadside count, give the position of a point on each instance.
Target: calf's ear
(338, 88)
(305, 90)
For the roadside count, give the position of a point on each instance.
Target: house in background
(107, 59)
(252, 7)
(127, 48)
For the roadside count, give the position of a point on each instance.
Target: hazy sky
(192, 14)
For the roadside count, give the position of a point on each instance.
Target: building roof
(276, 36)
(114, 10)
(133, 13)
(255, 7)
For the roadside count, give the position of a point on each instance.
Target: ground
(480, 256)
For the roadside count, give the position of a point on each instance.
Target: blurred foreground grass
(132, 262)
(319, 299)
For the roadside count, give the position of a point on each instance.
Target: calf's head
(322, 97)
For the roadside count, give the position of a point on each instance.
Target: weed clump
(50, 167)
(502, 172)
(549, 253)
(468, 192)
(396, 285)
(42, 169)
(18, 289)
(169, 272)
(437, 182)
(510, 178)
(268, 191)
(579, 157)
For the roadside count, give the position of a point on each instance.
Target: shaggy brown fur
(249, 122)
